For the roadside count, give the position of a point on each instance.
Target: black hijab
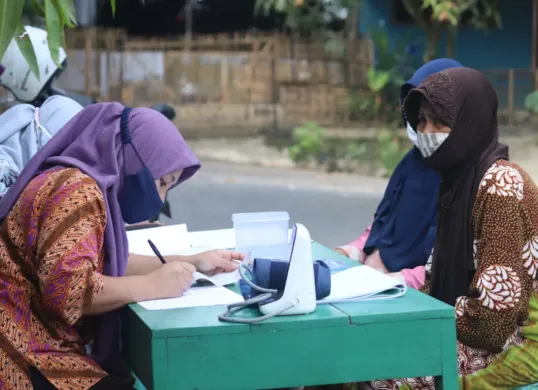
(465, 100)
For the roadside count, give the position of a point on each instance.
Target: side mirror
(166, 110)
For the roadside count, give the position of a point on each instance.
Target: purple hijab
(91, 142)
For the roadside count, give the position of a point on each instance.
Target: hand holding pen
(171, 280)
(156, 251)
(209, 262)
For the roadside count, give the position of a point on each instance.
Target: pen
(156, 251)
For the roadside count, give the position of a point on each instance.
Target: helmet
(15, 73)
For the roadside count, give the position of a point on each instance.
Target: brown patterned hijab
(465, 101)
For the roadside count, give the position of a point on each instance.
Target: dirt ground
(524, 151)
(523, 143)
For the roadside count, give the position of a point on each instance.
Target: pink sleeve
(354, 249)
(414, 277)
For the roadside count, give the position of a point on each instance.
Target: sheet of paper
(170, 240)
(213, 239)
(222, 279)
(362, 282)
(196, 296)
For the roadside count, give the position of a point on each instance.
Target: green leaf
(264, 6)
(10, 14)
(66, 8)
(25, 45)
(54, 30)
(531, 102)
(113, 6)
(377, 79)
(258, 5)
(62, 38)
(281, 5)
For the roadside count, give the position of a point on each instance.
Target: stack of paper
(363, 283)
(196, 296)
(176, 240)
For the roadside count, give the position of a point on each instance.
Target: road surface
(335, 208)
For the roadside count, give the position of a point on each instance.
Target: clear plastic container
(262, 234)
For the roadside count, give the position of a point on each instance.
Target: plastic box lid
(260, 217)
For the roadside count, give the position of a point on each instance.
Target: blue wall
(509, 47)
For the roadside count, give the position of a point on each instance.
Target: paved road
(335, 208)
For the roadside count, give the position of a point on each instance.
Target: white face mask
(429, 143)
(412, 134)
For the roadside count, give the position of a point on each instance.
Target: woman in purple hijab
(65, 266)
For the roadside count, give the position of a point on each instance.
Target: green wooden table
(190, 348)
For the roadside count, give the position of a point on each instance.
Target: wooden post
(110, 45)
(511, 112)
(120, 76)
(87, 62)
(97, 61)
(188, 25)
(274, 94)
(224, 81)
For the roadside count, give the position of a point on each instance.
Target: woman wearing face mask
(65, 265)
(485, 260)
(24, 129)
(402, 233)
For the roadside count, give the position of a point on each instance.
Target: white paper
(196, 296)
(363, 283)
(213, 239)
(169, 240)
(222, 279)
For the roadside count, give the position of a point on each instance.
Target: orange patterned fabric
(51, 258)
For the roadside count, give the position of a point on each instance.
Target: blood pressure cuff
(272, 274)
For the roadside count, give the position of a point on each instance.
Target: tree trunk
(432, 29)
(432, 39)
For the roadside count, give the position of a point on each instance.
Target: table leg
(448, 380)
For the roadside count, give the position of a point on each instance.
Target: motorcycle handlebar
(166, 110)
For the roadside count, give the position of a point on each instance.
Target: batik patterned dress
(497, 322)
(51, 257)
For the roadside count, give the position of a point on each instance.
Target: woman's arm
(413, 277)
(143, 265)
(499, 293)
(353, 250)
(70, 256)
(70, 249)
(417, 277)
(208, 262)
(168, 281)
(118, 292)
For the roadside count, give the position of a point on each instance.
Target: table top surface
(199, 321)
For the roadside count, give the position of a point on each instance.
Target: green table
(414, 335)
